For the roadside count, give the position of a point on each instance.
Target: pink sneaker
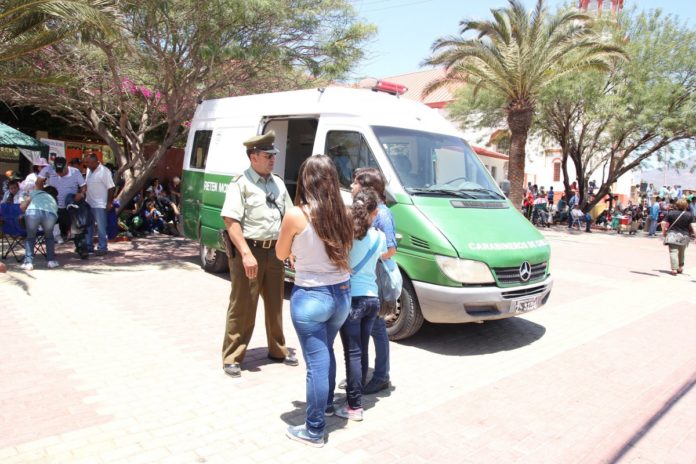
(347, 412)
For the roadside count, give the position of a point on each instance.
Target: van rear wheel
(212, 260)
(408, 318)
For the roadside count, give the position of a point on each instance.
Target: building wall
(169, 166)
(497, 167)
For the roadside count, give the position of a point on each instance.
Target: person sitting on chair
(578, 216)
(13, 194)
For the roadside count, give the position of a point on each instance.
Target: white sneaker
(53, 264)
(27, 267)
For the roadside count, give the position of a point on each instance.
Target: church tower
(599, 5)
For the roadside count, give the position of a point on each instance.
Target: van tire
(213, 261)
(409, 316)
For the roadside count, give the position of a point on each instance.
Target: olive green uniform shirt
(247, 201)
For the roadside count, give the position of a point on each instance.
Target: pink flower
(128, 86)
(147, 93)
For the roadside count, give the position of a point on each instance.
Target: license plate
(529, 304)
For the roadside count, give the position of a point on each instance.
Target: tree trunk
(566, 176)
(138, 174)
(519, 122)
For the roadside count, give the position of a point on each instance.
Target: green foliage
(145, 85)
(512, 59)
(641, 108)
(27, 27)
(519, 53)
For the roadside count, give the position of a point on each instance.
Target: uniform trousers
(244, 298)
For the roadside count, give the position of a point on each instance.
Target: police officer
(255, 203)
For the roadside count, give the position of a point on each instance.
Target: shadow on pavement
(644, 273)
(161, 251)
(256, 358)
(297, 417)
(654, 419)
(333, 423)
(476, 339)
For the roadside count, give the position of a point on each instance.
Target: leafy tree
(514, 57)
(28, 27)
(174, 53)
(644, 108)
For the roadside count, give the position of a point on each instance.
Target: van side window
(349, 151)
(199, 151)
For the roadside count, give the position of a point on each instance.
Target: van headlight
(465, 270)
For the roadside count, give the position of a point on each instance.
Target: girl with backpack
(384, 221)
(368, 246)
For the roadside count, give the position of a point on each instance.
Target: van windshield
(436, 164)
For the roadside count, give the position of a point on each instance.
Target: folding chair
(14, 234)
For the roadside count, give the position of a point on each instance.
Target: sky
(408, 28)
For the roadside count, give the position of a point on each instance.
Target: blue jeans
(98, 216)
(33, 219)
(381, 341)
(317, 314)
(653, 226)
(355, 335)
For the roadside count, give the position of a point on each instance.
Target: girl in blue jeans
(368, 245)
(317, 235)
(384, 221)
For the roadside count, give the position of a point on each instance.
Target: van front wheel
(213, 260)
(408, 318)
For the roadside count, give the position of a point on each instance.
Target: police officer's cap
(263, 142)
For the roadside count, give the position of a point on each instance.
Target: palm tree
(517, 55)
(28, 26)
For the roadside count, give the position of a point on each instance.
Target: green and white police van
(466, 253)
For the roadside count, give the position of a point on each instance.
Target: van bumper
(470, 304)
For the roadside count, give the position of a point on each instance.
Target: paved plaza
(117, 359)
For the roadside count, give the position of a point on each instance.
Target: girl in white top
(319, 233)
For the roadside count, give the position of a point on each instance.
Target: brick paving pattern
(117, 359)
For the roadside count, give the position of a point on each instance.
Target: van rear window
(199, 151)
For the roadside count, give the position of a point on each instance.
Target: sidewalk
(117, 359)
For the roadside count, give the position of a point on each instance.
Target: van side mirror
(505, 187)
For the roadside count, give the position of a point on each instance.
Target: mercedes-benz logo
(525, 271)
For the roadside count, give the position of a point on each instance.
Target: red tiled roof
(417, 81)
(490, 153)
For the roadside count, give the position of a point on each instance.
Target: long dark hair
(364, 204)
(371, 178)
(319, 192)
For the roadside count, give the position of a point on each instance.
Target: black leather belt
(261, 243)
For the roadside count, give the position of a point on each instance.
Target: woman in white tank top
(318, 233)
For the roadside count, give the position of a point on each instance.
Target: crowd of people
(334, 251)
(608, 214)
(667, 209)
(80, 203)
